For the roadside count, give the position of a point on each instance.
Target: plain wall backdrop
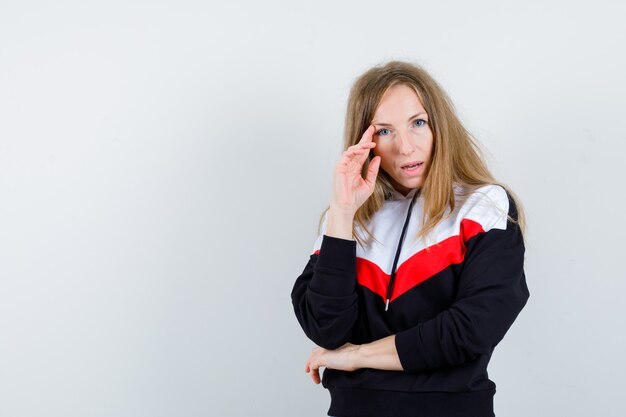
(163, 166)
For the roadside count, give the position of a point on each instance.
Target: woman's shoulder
(495, 193)
(488, 205)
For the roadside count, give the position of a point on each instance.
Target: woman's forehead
(399, 101)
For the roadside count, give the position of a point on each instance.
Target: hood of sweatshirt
(397, 195)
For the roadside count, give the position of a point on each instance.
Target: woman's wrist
(340, 223)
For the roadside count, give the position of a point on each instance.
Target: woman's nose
(406, 147)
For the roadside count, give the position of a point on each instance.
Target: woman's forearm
(380, 354)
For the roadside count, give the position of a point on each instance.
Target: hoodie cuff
(335, 269)
(411, 352)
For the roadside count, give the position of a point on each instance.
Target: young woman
(417, 272)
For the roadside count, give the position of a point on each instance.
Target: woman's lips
(414, 169)
(411, 164)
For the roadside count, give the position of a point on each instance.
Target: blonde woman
(417, 272)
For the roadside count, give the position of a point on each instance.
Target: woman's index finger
(368, 134)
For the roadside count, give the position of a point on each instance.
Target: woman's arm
(492, 292)
(324, 296)
(380, 354)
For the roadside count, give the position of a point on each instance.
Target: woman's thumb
(372, 170)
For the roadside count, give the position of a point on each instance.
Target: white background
(163, 166)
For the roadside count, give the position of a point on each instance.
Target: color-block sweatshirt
(452, 297)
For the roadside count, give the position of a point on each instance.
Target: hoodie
(449, 299)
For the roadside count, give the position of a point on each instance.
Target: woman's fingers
(331, 359)
(350, 188)
(315, 375)
(312, 366)
(368, 134)
(366, 141)
(372, 170)
(357, 153)
(359, 149)
(352, 152)
(366, 144)
(315, 372)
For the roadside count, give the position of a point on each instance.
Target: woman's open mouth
(412, 168)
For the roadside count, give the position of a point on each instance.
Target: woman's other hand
(342, 358)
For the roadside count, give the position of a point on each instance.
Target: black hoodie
(451, 298)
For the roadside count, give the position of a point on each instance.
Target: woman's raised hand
(350, 189)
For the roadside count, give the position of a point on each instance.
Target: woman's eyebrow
(410, 118)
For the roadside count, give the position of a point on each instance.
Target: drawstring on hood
(392, 278)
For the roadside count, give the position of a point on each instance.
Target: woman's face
(403, 138)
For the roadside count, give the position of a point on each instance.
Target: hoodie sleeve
(324, 296)
(492, 292)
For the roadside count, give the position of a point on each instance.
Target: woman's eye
(420, 122)
(383, 132)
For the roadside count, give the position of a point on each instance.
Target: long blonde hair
(456, 157)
